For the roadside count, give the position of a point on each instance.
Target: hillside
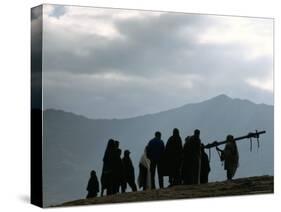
(74, 145)
(242, 186)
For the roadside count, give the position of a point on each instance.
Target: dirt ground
(243, 186)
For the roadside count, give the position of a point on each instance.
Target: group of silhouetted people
(116, 172)
(183, 163)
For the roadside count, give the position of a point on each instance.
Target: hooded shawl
(145, 162)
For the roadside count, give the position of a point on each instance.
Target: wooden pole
(250, 135)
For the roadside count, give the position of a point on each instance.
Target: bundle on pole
(250, 135)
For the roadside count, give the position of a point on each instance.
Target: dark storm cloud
(146, 61)
(162, 43)
(151, 44)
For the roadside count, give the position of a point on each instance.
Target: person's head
(126, 153)
(158, 135)
(176, 132)
(230, 138)
(196, 133)
(93, 173)
(116, 144)
(110, 144)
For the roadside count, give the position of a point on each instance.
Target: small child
(93, 185)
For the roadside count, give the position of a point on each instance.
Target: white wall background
(15, 103)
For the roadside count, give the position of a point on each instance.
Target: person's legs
(124, 186)
(229, 174)
(184, 177)
(132, 184)
(196, 177)
(177, 177)
(152, 172)
(109, 191)
(114, 187)
(160, 176)
(203, 178)
(192, 173)
(91, 194)
(109, 185)
(170, 180)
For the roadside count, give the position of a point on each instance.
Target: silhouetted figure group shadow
(186, 164)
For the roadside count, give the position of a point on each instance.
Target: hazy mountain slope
(74, 145)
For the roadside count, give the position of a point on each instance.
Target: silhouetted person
(144, 178)
(116, 144)
(186, 164)
(117, 169)
(205, 166)
(195, 146)
(128, 172)
(230, 156)
(107, 170)
(93, 185)
(155, 150)
(192, 159)
(173, 158)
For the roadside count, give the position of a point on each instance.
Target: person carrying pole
(230, 156)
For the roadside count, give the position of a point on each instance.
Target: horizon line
(154, 113)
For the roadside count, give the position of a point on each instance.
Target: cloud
(265, 84)
(121, 63)
(255, 34)
(54, 11)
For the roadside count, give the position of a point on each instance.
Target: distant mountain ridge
(221, 97)
(74, 145)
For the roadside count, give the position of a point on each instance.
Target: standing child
(93, 185)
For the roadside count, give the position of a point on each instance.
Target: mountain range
(73, 145)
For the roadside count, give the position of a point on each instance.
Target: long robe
(144, 178)
(107, 169)
(173, 158)
(205, 167)
(186, 165)
(230, 156)
(93, 186)
(191, 161)
(128, 174)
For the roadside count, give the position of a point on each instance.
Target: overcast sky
(109, 63)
